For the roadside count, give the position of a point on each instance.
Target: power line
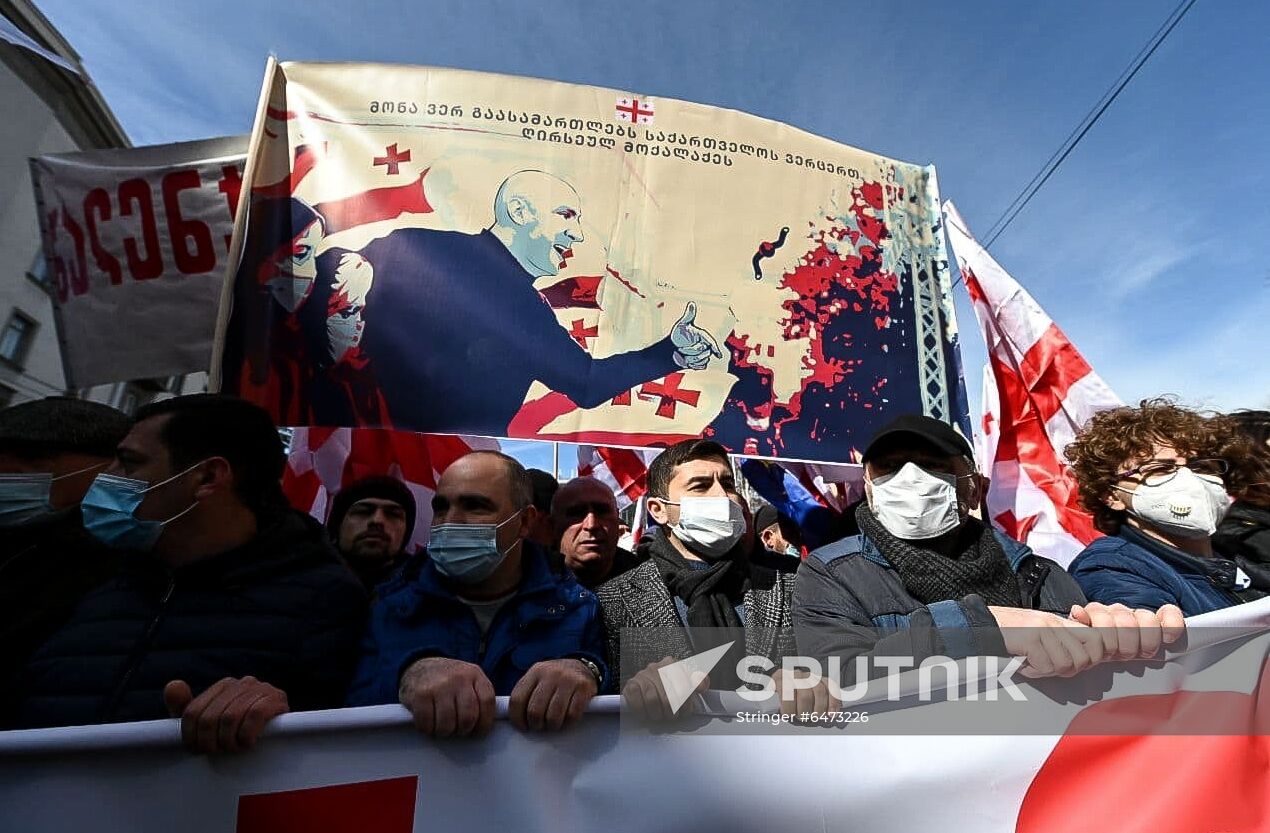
(1083, 127)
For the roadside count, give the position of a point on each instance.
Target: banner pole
(555, 460)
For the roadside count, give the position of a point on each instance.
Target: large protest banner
(1174, 746)
(136, 242)
(459, 252)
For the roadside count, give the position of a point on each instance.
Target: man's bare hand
(1131, 634)
(645, 694)
(1053, 646)
(228, 717)
(448, 697)
(795, 699)
(551, 696)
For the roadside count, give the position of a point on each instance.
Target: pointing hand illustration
(693, 345)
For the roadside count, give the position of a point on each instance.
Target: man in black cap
(50, 451)
(938, 582)
(777, 531)
(371, 522)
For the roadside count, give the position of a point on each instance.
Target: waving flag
(624, 470)
(1038, 392)
(323, 461)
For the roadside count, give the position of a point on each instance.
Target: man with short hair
(371, 522)
(544, 489)
(479, 614)
(777, 531)
(50, 451)
(942, 583)
(700, 576)
(231, 607)
(584, 514)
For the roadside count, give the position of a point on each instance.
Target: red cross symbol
(670, 393)
(392, 159)
(634, 111)
(581, 333)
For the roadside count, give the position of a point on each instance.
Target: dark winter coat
(281, 608)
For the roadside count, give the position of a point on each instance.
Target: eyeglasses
(1159, 472)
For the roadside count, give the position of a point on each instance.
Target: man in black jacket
(231, 608)
(925, 579)
(50, 451)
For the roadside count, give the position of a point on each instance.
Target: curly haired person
(1157, 479)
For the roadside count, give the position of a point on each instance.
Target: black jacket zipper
(134, 659)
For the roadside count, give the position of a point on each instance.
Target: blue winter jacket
(416, 615)
(1138, 571)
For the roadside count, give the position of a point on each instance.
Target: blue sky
(1150, 247)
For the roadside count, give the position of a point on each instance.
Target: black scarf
(979, 567)
(711, 594)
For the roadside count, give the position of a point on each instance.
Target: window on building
(39, 271)
(16, 338)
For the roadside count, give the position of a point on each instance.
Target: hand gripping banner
(457, 252)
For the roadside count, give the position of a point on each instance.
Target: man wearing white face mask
(1155, 479)
(50, 451)
(698, 576)
(230, 607)
(481, 614)
(925, 578)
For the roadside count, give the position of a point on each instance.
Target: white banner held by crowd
(135, 242)
(368, 770)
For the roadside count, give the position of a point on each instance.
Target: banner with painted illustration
(458, 252)
(136, 243)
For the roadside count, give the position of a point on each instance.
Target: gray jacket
(640, 602)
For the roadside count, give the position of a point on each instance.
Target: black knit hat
(766, 515)
(62, 424)
(380, 486)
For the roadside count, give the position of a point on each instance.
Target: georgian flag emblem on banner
(634, 110)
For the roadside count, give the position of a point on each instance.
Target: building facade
(49, 105)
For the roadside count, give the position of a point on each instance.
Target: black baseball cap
(928, 430)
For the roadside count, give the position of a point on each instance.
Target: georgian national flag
(322, 461)
(634, 110)
(1038, 393)
(624, 470)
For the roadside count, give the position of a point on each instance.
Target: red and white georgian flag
(1038, 391)
(624, 470)
(324, 460)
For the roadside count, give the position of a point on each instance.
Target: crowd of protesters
(151, 567)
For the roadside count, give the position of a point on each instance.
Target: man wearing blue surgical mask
(926, 578)
(480, 614)
(703, 574)
(230, 607)
(50, 451)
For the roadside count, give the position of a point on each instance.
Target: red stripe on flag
(1049, 369)
(1024, 438)
(374, 205)
(386, 806)
(628, 470)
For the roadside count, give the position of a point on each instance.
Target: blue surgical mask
(109, 510)
(25, 497)
(467, 553)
